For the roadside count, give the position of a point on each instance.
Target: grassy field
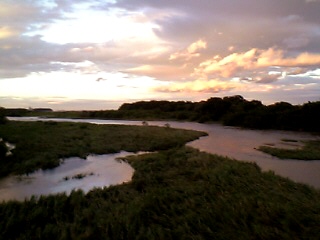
(43, 144)
(310, 151)
(179, 193)
(176, 193)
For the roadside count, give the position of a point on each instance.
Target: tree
(3, 118)
(3, 150)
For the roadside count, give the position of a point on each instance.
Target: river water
(232, 142)
(97, 171)
(241, 144)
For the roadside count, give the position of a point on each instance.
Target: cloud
(6, 32)
(25, 45)
(255, 59)
(179, 67)
(244, 45)
(162, 72)
(243, 22)
(193, 50)
(175, 24)
(269, 78)
(211, 86)
(25, 16)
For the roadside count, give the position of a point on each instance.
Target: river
(97, 171)
(232, 142)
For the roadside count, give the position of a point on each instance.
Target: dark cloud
(243, 23)
(237, 9)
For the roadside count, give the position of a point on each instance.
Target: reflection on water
(239, 144)
(74, 173)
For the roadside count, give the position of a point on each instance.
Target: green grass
(43, 144)
(310, 151)
(179, 193)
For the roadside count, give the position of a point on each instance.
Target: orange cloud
(212, 86)
(191, 51)
(252, 60)
(162, 72)
(194, 47)
(6, 32)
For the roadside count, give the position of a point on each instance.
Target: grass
(176, 193)
(310, 151)
(78, 176)
(44, 144)
(179, 193)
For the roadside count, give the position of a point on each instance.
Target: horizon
(146, 100)
(97, 55)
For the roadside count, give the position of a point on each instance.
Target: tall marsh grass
(174, 194)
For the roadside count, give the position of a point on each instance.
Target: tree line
(231, 111)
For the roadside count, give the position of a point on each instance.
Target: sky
(98, 54)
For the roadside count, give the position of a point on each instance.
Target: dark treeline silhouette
(231, 111)
(18, 112)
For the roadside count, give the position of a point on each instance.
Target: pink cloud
(191, 51)
(255, 59)
(211, 86)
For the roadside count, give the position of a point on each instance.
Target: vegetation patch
(43, 144)
(310, 151)
(78, 176)
(82, 175)
(175, 194)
